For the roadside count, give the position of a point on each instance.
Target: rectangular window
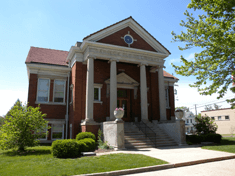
(191, 121)
(59, 91)
(43, 133)
(167, 97)
(226, 117)
(43, 90)
(187, 121)
(219, 117)
(57, 131)
(96, 94)
(213, 118)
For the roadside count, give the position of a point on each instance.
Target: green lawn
(39, 161)
(227, 145)
(228, 135)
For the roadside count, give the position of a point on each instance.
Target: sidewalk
(176, 157)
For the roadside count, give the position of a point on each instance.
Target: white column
(162, 100)
(89, 90)
(113, 88)
(143, 93)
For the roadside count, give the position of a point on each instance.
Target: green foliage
(22, 127)
(67, 148)
(90, 144)
(186, 109)
(214, 32)
(101, 143)
(84, 135)
(205, 125)
(194, 139)
(1, 121)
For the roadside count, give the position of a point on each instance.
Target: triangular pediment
(114, 35)
(123, 80)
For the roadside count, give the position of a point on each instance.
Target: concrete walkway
(175, 156)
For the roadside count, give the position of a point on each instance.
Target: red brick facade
(101, 110)
(116, 39)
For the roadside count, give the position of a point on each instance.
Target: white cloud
(9, 97)
(190, 57)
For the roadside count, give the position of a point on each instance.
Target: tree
(22, 127)
(186, 109)
(17, 102)
(216, 106)
(1, 121)
(205, 125)
(214, 32)
(208, 107)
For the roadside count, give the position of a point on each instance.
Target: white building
(189, 118)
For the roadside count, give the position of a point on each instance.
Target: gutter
(67, 108)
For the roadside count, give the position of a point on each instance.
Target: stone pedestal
(181, 127)
(114, 134)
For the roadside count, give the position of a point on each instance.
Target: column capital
(160, 66)
(113, 60)
(142, 64)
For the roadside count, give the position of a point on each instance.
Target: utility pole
(196, 109)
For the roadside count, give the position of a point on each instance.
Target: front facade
(224, 118)
(118, 66)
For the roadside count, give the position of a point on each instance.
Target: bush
(84, 135)
(216, 138)
(67, 148)
(205, 125)
(90, 144)
(195, 139)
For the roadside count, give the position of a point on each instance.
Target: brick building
(118, 66)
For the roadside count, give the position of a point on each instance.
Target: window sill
(50, 103)
(96, 101)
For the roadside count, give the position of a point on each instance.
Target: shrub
(90, 144)
(195, 139)
(216, 138)
(84, 135)
(205, 125)
(67, 148)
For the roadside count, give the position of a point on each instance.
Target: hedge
(195, 139)
(66, 148)
(89, 143)
(84, 135)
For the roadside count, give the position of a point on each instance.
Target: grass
(39, 161)
(227, 145)
(228, 135)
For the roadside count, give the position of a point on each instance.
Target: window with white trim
(213, 118)
(43, 90)
(57, 131)
(59, 91)
(97, 92)
(226, 117)
(219, 118)
(43, 133)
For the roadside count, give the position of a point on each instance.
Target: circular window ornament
(128, 39)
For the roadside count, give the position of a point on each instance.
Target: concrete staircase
(135, 139)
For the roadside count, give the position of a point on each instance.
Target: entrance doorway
(123, 101)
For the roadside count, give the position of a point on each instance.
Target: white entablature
(122, 54)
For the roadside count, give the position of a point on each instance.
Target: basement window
(57, 131)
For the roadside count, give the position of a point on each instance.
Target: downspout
(67, 106)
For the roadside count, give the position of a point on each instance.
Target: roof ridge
(48, 48)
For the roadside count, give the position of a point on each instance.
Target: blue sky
(59, 24)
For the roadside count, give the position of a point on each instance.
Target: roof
(218, 109)
(168, 75)
(47, 56)
(57, 57)
(122, 21)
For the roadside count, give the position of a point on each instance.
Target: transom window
(43, 90)
(59, 91)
